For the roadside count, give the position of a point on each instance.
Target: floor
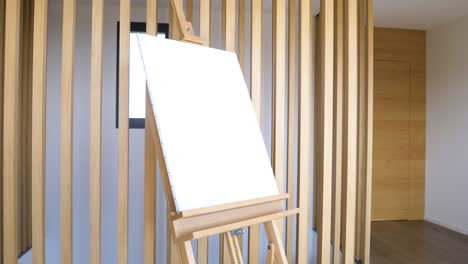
(416, 242)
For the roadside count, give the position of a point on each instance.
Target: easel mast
(224, 219)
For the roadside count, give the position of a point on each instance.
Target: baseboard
(440, 223)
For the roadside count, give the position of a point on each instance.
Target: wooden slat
(150, 157)
(362, 130)
(327, 70)
(205, 20)
(317, 124)
(38, 164)
(202, 251)
(370, 129)
(124, 44)
(338, 132)
(150, 193)
(241, 35)
(275, 240)
(11, 126)
(190, 10)
(29, 133)
(66, 122)
(291, 123)
(305, 68)
(229, 25)
(152, 17)
(95, 132)
(279, 95)
(256, 95)
(350, 129)
(2, 42)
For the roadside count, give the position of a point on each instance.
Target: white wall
(109, 144)
(447, 126)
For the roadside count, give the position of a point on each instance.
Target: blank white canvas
(212, 143)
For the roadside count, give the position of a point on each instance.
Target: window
(137, 84)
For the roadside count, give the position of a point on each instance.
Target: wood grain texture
(205, 21)
(279, 98)
(292, 78)
(409, 46)
(150, 195)
(370, 131)
(38, 165)
(2, 55)
(305, 84)
(10, 131)
(350, 102)
(338, 133)
(318, 123)
(327, 80)
(66, 123)
(229, 25)
(95, 132)
(256, 94)
(122, 214)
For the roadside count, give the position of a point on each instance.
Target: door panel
(390, 188)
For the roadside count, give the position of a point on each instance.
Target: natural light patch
(137, 81)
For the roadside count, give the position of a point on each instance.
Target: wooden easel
(222, 219)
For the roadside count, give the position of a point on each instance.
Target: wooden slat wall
(292, 28)
(150, 159)
(66, 122)
(124, 44)
(327, 70)
(95, 132)
(10, 131)
(305, 85)
(256, 94)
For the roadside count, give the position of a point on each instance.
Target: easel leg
(275, 239)
(186, 252)
(233, 247)
(271, 254)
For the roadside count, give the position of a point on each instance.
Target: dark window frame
(163, 28)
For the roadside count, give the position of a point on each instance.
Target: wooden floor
(416, 242)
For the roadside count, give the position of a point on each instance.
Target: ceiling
(418, 14)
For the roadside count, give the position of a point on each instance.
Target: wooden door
(390, 190)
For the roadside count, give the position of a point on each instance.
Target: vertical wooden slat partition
(95, 132)
(150, 159)
(291, 122)
(305, 67)
(124, 44)
(342, 89)
(10, 131)
(38, 164)
(66, 123)
(256, 94)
